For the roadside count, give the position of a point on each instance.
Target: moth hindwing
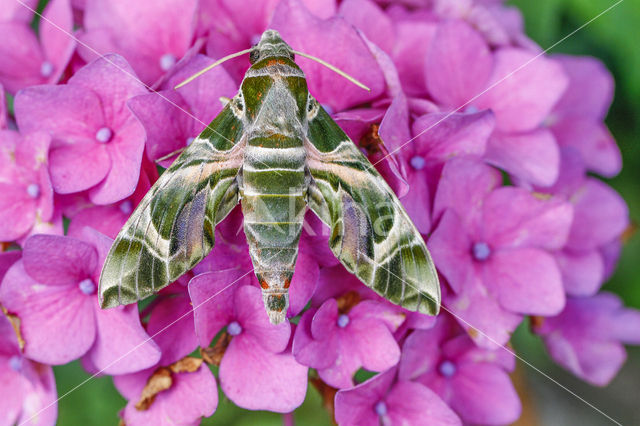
(276, 149)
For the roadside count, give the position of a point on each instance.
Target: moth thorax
(276, 301)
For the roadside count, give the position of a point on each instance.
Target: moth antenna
(215, 64)
(171, 154)
(332, 68)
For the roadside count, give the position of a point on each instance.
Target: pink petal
(590, 87)
(417, 203)
(122, 346)
(69, 166)
(17, 212)
(303, 283)
(373, 343)
(474, 404)
(442, 136)
(125, 154)
(488, 324)
(108, 220)
(450, 247)
(413, 40)
(523, 89)
(601, 215)
(532, 157)
(252, 316)
(69, 316)
(40, 404)
(356, 405)
(360, 13)
(213, 303)
(7, 259)
(526, 281)
(58, 260)
(18, 12)
(582, 271)
(420, 354)
(142, 35)
(464, 184)
(514, 217)
(256, 379)
(324, 320)
(171, 326)
(113, 80)
(455, 48)
(318, 354)
(593, 141)
(54, 31)
(70, 114)
(21, 56)
(415, 404)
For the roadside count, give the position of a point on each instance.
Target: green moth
(275, 150)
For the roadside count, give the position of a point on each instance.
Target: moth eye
(240, 104)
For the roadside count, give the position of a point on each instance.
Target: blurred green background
(610, 38)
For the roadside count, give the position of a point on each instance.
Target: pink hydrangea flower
(171, 326)
(521, 97)
(498, 240)
(338, 343)
(577, 119)
(55, 283)
(97, 142)
(600, 217)
(587, 337)
(28, 394)
(257, 370)
(385, 400)
(26, 205)
(26, 58)
(151, 39)
(447, 361)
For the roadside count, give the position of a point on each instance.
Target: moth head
(270, 44)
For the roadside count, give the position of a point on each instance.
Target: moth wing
(172, 228)
(371, 233)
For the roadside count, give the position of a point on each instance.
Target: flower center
(104, 135)
(15, 363)
(46, 69)
(167, 61)
(481, 251)
(87, 286)
(234, 328)
(380, 408)
(126, 207)
(447, 368)
(343, 320)
(417, 162)
(33, 190)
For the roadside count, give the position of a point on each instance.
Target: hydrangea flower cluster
(493, 148)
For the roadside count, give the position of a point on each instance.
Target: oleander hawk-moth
(275, 150)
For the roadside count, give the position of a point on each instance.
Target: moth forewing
(274, 148)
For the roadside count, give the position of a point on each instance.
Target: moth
(276, 151)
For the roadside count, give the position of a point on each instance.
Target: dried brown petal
(15, 323)
(213, 355)
(159, 381)
(187, 364)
